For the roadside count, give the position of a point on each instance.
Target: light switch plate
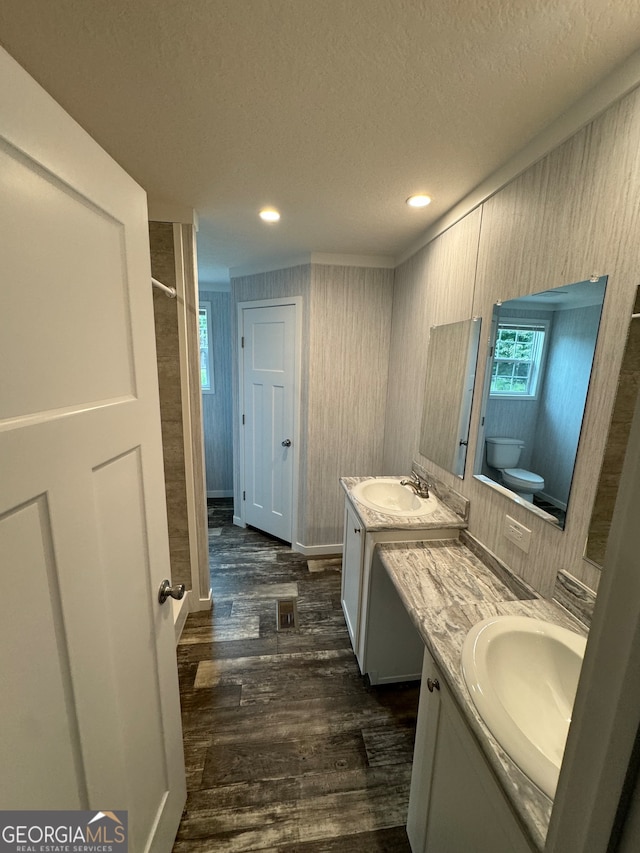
(517, 533)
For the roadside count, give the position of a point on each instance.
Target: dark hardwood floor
(287, 749)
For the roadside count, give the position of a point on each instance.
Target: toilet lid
(523, 478)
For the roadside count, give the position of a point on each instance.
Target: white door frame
(606, 714)
(199, 596)
(296, 301)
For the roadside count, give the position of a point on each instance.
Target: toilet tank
(503, 452)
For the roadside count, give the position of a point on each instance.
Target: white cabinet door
(423, 756)
(89, 702)
(455, 804)
(352, 560)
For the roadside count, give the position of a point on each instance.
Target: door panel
(258, 448)
(120, 512)
(280, 485)
(28, 731)
(59, 223)
(269, 335)
(92, 716)
(268, 344)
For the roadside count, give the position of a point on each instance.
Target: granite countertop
(446, 590)
(371, 520)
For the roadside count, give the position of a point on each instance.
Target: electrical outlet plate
(517, 533)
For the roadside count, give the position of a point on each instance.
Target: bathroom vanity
(413, 588)
(385, 641)
(466, 791)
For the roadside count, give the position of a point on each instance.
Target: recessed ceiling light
(418, 200)
(269, 214)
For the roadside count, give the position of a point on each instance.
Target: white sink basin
(522, 674)
(386, 495)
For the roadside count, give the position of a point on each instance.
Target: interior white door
(89, 702)
(269, 334)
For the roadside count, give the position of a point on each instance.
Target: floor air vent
(286, 614)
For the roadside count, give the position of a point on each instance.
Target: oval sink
(386, 495)
(522, 674)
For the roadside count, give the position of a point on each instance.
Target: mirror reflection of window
(518, 358)
(536, 386)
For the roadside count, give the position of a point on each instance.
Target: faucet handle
(420, 486)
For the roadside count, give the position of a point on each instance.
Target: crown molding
(167, 211)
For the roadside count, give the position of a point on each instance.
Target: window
(517, 358)
(206, 360)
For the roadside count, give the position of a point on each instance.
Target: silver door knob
(166, 591)
(286, 442)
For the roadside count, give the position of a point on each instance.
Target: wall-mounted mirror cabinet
(452, 356)
(535, 390)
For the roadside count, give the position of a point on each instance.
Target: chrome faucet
(419, 486)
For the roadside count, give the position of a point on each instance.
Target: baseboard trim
(374, 678)
(554, 501)
(181, 610)
(201, 603)
(318, 550)
(220, 493)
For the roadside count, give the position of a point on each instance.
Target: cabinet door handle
(433, 684)
(356, 530)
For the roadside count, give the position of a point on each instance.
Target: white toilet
(503, 454)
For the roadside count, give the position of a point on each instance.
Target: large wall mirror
(452, 356)
(613, 459)
(535, 390)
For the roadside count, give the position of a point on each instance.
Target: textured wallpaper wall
(573, 214)
(567, 374)
(350, 325)
(346, 325)
(433, 287)
(293, 281)
(216, 407)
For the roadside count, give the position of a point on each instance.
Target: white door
(269, 375)
(89, 701)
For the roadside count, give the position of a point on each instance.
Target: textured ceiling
(334, 111)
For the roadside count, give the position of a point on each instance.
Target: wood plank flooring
(287, 748)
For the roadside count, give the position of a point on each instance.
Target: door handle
(166, 591)
(286, 442)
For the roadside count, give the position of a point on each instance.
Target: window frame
(205, 307)
(536, 324)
